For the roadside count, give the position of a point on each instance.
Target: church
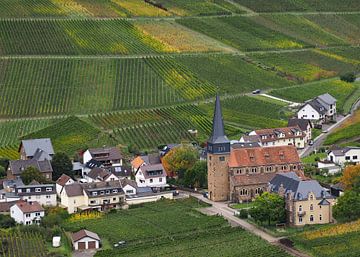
(239, 172)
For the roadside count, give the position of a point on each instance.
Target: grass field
(348, 131)
(306, 66)
(242, 33)
(75, 37)
(174, 228)
(179, 38)
(300, 5)
(340, 240)
(341, 90)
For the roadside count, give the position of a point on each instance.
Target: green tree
(6, 221)
(269, 207)
(197, 175)
(348, 77)
(180, 159)
(2, 172)
(61, 164)
(348, 206)
(31, 173)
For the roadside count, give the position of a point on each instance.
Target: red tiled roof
(84, 233)
(28, 207)
(137, 162)
(63, 179)
(271, 134)
(260, 156)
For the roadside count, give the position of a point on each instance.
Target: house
(63, 181)
(7, 194)
(99, 174)
(27, 213)
(306, 202)
(152, 175)
(240, 174)
(305, 126)
(89, 165)
(39, 149)
(72, 197)
(108, 156)
(329, 166)
(320, 109)
(44, 194)
(98, 196)
(17, 167)
(150, 159)
(85, 239)
(276, 137)
(121, 171)
(129, 186)
(341, 156)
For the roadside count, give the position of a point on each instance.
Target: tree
(2, 172)
(6, 221)
(351, 177)
(30, 174)
(269, 207)
(61, 164)
(348, 206)
(348, 77)
(197, 175)
(179, 159)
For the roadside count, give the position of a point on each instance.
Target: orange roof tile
(137, 162)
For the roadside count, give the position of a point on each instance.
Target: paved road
(228, 213)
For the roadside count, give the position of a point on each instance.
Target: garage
(84, 240)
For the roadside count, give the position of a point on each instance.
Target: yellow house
(306, 202)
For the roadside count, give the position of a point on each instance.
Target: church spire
(218, 132)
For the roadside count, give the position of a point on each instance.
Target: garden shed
(85, 239)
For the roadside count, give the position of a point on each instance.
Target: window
(94, 193)
(320, 217)
(27, 215)
(37, 214)
(19, 190)
(48, 189)
(355, 157)
(347, 158)
(48, 196)
(300, 207)
(107, 192)
(311, 197)
(253, 170)
(209, 158)
(130, 191)
(243, 192)
(37, 190)
(27, 190)
(268, 168)
(151, 180)
(102, 192)
(311, 218)
(311, 207)
(115, 191)
(221, 158)
(160, 179)
(92, 201)
(300, 219)
(28, 222)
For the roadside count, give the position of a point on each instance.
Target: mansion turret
(239, 172)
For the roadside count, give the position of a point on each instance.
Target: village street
(222, 209)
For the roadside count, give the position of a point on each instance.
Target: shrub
(244, 213)
(348, 77)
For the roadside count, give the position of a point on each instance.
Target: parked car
(206, 194)
(311, 142)
(257, 91)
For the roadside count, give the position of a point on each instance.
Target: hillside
(89, 73)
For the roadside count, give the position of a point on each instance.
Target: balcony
(301, 213)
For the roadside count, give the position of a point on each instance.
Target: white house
(27, 213)
(100, 174)
(129, 186)
(63, 181)
(320, 109)
(331, 167)
(344, 155)
(44, 194)
(85, 239)
(151, 176)
(108, 156)
(305, 126)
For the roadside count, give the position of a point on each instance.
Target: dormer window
(48, 189)
(37, 190)
(94, 193)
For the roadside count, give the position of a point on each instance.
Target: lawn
(341, 90)
(311, 159)
(340, 240)
(242, 33)
(173, 228)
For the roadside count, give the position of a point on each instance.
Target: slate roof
(100, 173)
(32, 145)
(299, 189)
(153, 158)
(62, 180)
(262, 156)
(106, 153)
(326, 98)
(73, 190)
(147, 170)
(317, 106)
(11, 183)
(96, 186)
(218, 132)
(84, 233)
(343, 151)
(18, 166)
(29, 207)
(302, 123)
(120, 171)
(126, 181)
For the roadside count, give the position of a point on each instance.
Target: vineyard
(339, 240)
(24, 244)
(307, 65)
(242, 33)
(339, 89)
(300, 6)
(173, 228)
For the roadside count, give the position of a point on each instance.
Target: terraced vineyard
(339, 89)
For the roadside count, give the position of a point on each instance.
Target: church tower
(218, 152)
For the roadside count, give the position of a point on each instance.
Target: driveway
(85, 253)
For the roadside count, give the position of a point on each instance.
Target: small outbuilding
(85, 239)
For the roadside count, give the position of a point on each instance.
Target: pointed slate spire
(218, 132)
